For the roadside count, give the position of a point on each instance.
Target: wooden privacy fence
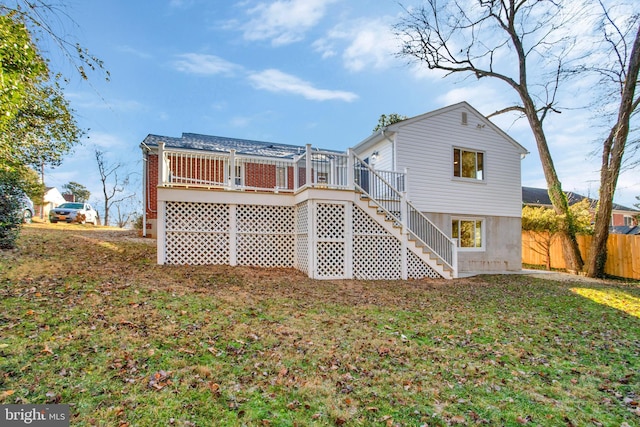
(623, 251)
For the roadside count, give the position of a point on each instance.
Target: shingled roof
(540, 197)
(220, 144)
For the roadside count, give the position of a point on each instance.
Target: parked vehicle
(27, 209)
(74, 212)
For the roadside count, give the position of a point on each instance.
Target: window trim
(467, 179)
(483, 234)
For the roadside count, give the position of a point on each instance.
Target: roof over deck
(221, 144)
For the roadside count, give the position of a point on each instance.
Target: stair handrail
(429, 235)
(395, 203)
(380, 191)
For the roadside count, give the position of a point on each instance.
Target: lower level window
(468, 232)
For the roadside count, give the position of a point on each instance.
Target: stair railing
(394, 204)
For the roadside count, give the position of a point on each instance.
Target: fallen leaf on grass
(215, 388)
(458, 419)
(6, 394)
(46, 349)
(159, 380)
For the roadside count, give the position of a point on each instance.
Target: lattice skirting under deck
(322, 239)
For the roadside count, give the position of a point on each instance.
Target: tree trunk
(612, 154)
(570, 248)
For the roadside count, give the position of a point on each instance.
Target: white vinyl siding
(426, 148)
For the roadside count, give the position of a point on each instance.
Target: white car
(74, 212)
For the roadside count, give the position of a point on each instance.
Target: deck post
(454, 259)
(308, 164)
(406, 180)
(350, 162)
(161, 232)
(404, 211)
(161, 164)
(404, 236)
(232, 169)
(233, 235)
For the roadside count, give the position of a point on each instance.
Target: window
(281, 176)
(468, 164)
(238, 175)
(469, 233)
(628, 221)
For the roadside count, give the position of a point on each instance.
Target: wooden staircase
(390, 222)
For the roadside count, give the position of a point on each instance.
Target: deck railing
(233, 171)
(311, 169)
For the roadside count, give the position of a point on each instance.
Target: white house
(436, 195)
(464, 174)
(51, 199)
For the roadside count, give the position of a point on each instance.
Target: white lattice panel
(417, 269)
(377, 257)
(363, 224)
(196, 233)
(199, 217)
(330, 233)
(265, 219)
(196, 248)
(330, 221)
(302, 237)
(265, 250)
(265, 235)
(330, 259)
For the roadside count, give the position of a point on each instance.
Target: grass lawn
(87, 318)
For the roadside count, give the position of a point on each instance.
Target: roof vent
(464, 118)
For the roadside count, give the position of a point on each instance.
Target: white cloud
(203, 64)
(133, 51)
(284, 21)
(84, 100)
(107, 142)
(276, 81)
(365, 43)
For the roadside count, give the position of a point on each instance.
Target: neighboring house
(437, 195)
(620, 216)
(633, 230)
(52, 199)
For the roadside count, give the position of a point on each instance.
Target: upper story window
(468, 164)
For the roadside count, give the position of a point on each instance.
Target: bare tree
(113, 186)
(504, 40)
(622, 72)
(125, 211)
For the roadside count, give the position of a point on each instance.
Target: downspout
(145, 179)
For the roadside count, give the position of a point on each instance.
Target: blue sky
(286, 71)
